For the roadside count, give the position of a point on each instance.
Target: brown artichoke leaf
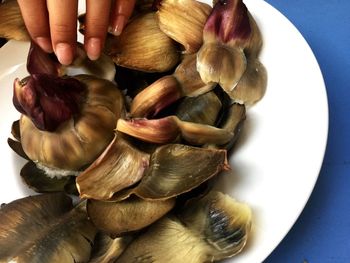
(11, 21)
(15, 130)
(45, 228)
(175, 169)
(252, 86)
(184, 21)
(36, 179)
(168, 129)
(202, 109)
(211, 229)
(130, 215)
(119, 166)
(233, 121)
(107, 249)
(143, 46)
(155, 97)
(16, 146)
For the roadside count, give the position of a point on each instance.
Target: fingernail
(44, 43)
(118, 25)
(93, 48)
(64, 53)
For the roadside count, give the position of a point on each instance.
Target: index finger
(63, 28)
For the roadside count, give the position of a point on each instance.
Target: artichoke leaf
(251, 87)
(175, 169)
(16, 146)
(232, 121)
(15, 130)
(119, 166)
(184, 21)
(119, 218)
(223, 222)
(210, 229)
(202, 109)
(143, 46)
(107, 249)
(40, 182)
(45, 228)
(170, 128)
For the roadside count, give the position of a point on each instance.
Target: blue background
(322, 233)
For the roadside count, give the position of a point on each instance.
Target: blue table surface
(322, 232)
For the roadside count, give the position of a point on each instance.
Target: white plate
(279, 155)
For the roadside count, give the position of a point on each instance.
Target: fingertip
(118, 25)
(44, 43)
(93, 48)
(64, 53)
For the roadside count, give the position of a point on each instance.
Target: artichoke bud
(47, 100)
(184, 21)
(143, 46)
(226, 33)
(155, 97)
(11, 21)
(81, 123)
(166, 130)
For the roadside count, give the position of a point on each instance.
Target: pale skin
(52, 24)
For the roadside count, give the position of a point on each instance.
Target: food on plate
(183, 21)
(143, 46)
(212, 228)
(231, 40)
(45, 228)
(138, 137)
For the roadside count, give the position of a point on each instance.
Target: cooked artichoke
(82, 136)
(211, 229)
(46, 229)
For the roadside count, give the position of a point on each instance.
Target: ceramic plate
(278, 158)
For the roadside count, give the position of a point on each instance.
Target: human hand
(52, 24)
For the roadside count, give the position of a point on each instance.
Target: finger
(97, 20)
(120, 14)
(36, 19)
(63, 28)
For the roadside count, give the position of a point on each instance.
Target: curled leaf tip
(40, 62)
(48, 100)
